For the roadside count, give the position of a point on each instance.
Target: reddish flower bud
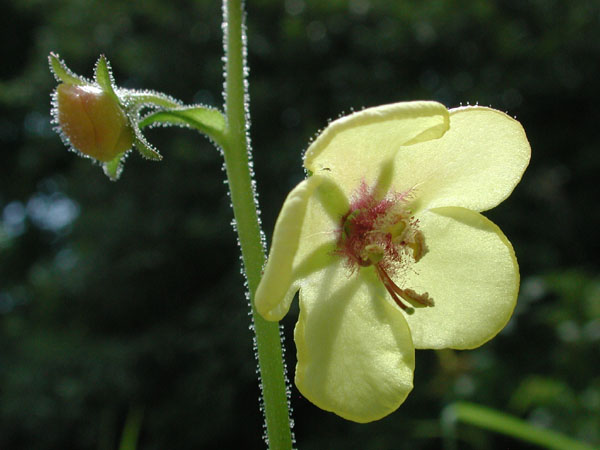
(93, 121)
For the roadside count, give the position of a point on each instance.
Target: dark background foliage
(123, 296)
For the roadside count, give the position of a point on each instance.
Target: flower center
(385, 235)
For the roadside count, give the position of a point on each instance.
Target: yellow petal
(352, 149)
(471, 273)
(355, 354)
(303, 240)
(475, 165)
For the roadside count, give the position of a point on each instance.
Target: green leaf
(209, 121)
(131, 430)
(62, 73)
(490, 419)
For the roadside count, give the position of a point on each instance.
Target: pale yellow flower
(386, 243)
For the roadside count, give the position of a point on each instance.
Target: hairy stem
(243, 197)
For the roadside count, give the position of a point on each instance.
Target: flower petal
(303, 240)
(475, 165)
(471, 273)
(355, 354)
(353, 148)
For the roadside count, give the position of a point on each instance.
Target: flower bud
(93, 121)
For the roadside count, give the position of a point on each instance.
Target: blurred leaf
(131, 430)
(499, 422)
(537, 391)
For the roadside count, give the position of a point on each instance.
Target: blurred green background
(127, 296)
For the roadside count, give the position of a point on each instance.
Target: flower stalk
(243, 197)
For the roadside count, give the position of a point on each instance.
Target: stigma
(384, 234)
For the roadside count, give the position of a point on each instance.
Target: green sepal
(63, 74)
(144, 147)
(114, 168)
(135, 99)
(209, 121)
(103, 77)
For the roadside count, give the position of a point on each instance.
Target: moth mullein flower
(387, 245)
(98, 120)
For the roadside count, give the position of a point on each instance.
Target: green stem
(236, 151)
